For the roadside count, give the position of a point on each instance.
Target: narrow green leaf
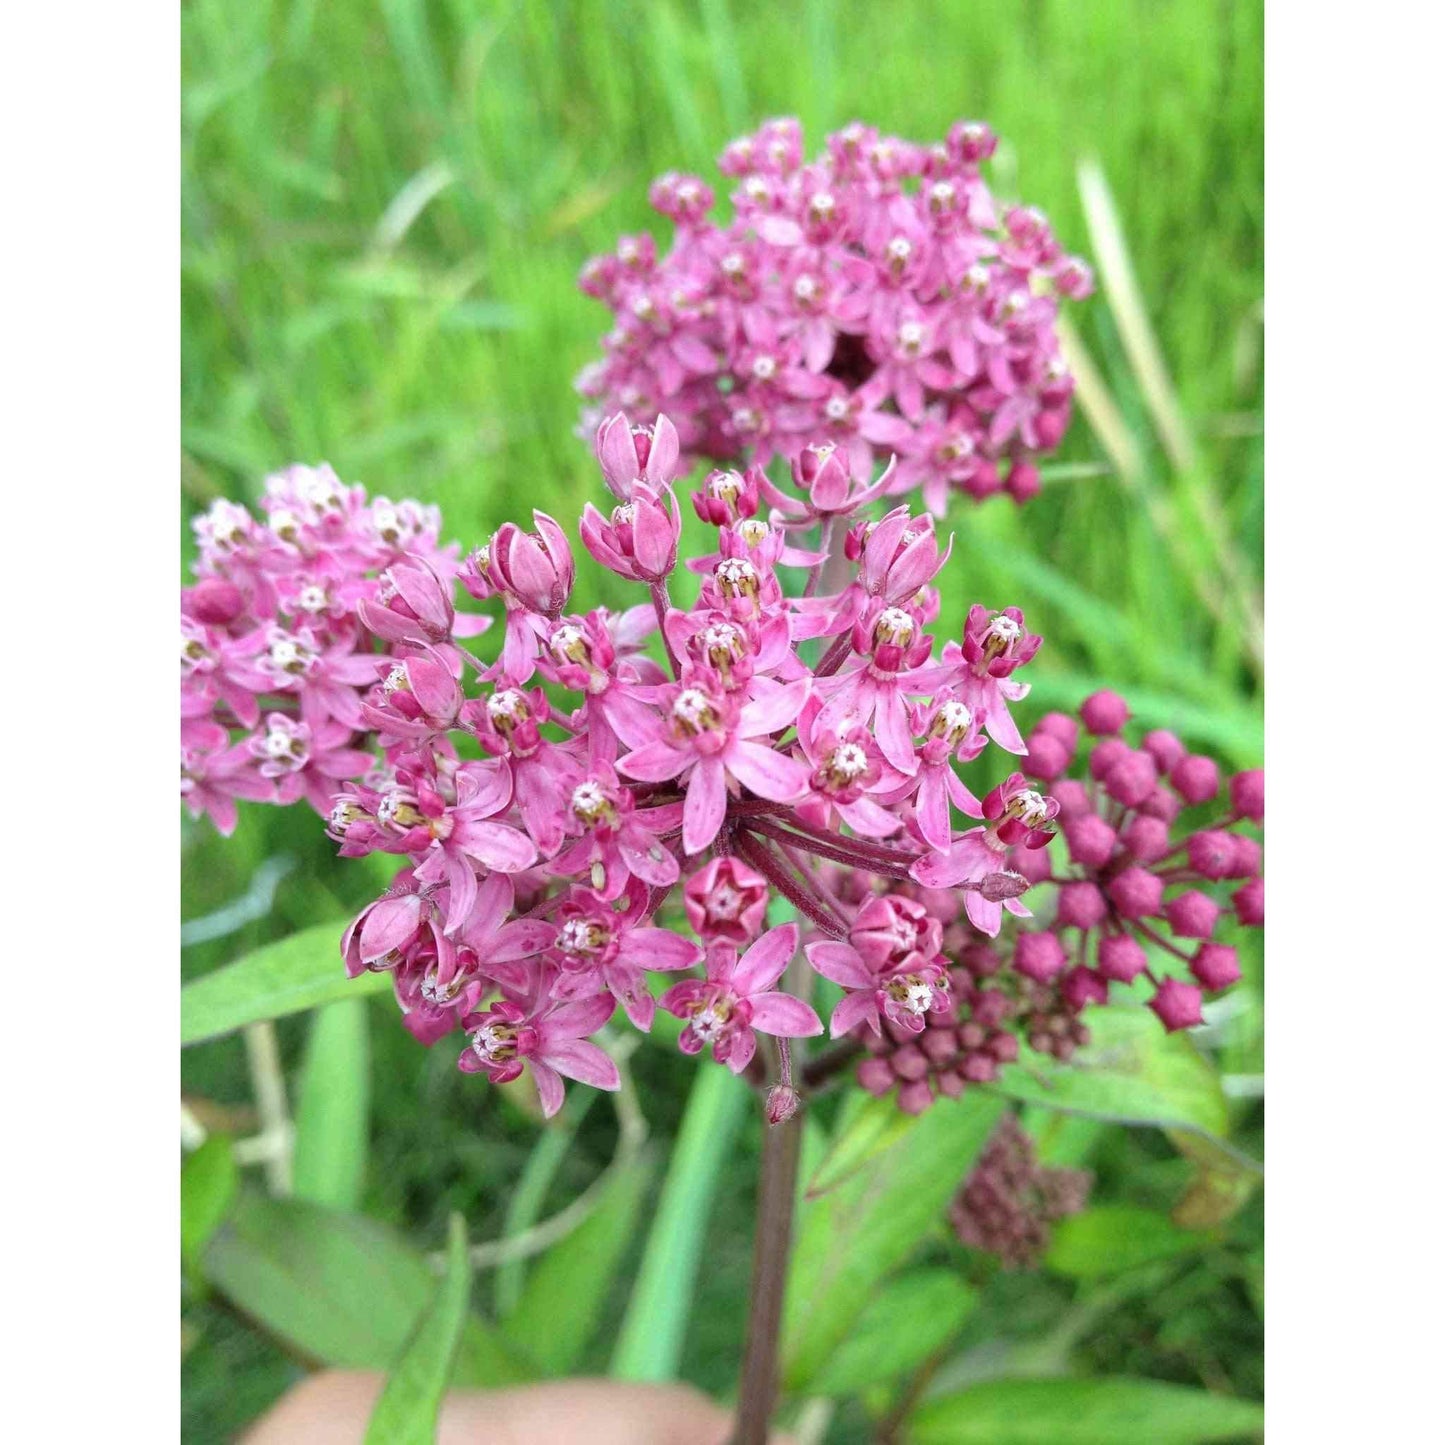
(333, 1107)
(1132, 1072)
(1083, 1412)
(908, 1320)
(860, 1232)
(867, 1128)
(1111, 1238)
(300, 972)
(406, 1412)
(649, 1342)
(568, 1285)
(209, 1179)
(338, 1288)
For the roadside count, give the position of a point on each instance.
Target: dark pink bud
(1248, 857)
(916, 1097)
(1211, 853)
(1122, 958)
(1216, 966)
(214, 601)
(1023, 483)
(1164, 748)
(1136, 893)
(1072, 797)
(1039, 956)
(982, 481)
(822, 472)
(979, 1068)
(998, 887)
(1032, 864)
(1132, 779)
(875, 1076)
(782, 1103)
(1249, 903)
(1081, 905)
(939, 1045)
(1246, 793)
(1104, 712)
(1161, 803)
(1146, 838)
(1004, 1047)
(1192, 914)
(1178, 1005)
(980, 960)
(950, 1084)
(1091, 840)
(1047, 757)
(1106, 754)
(1061, 726)
(910, 1062)
(1081, 987)
(1195, 778)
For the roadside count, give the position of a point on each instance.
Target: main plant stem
(777, 1189)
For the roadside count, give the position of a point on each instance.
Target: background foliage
(384, 207)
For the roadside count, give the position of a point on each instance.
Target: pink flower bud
(1104, 712)
(916, 1097)
(1081, 905)
(1091, 840)
(1047, 756)
(1072, 797)
(998, 887)
(1215, 966)
(1023, 483)
(1105, 755)
(1248, 857)
(1192, 914)
(1164, 748)
(726, 900)
(1146, 838)
(1211, 853)
(1136, 893)
(782, 1103)
(1178, 1005)
(1081, 987)
(1246, 793)
(822, 472)
(213, 600)
(1249, 903)
(910, 1062)
(1195, 778)
(1061, 726)
(1162, 804)
(1132, 779)
(875, 1076)
(1122, 957)
(1039, 956)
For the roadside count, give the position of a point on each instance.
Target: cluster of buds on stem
(877, 298)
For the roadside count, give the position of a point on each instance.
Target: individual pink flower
(552, 1041)
(726, 901)
(631, 454)
(710, 739)
(737, 998)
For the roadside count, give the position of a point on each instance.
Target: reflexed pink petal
(654, 763)
(852, 1010)
(784, 1015)
(763, 964)
(772, 775)
(841, 963)
(550, 1089)
(702, 815)
(584, 1061)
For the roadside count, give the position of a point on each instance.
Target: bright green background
(429, 349)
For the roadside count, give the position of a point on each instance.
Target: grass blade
(649, 1343)
(406, 1413)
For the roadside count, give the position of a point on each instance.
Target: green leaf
(406, 1412)
(329, 1163)
(568, 1286)
(861, 1231)
(907, 1321)
(340, 1289)
(867, 1127)
(1083, 1412)
(649, 1342)
(1132, 1072)
(1111, 1238)
(300, 972)
(209, 1179)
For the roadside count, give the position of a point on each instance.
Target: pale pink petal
(854, 1009)
(770, 711)
(772, 775)
(785, 1016)
(549, 1086)
(654, 763)
(702, 814)
(763, 964)
(841, 963)
(584, 1061)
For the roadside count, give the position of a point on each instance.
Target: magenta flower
(552, 1042)
(710, 739)
(737, 998)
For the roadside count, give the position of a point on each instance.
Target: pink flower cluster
(548, 827)
(877, 298)
(276, 656)
(1139, 898)
(1009, 1202)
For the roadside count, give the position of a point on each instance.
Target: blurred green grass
(384, 207)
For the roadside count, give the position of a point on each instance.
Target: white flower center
(765, 368)
(849, 760)
(900, 248)
(312, 599)
(1005, 629)
(836, 408)
(508, 705)
(709, 1023)
(752, 531)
